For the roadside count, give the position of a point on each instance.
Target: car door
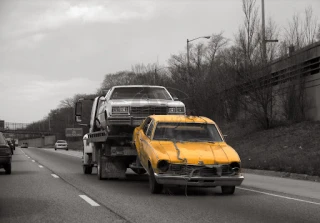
(145, 144)
(138, 134)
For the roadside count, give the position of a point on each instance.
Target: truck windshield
(140, 93)
(190, 132)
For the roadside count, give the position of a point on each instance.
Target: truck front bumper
(199, 181)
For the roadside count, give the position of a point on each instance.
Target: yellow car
(186, 150)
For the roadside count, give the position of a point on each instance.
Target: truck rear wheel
(87, 169)
(100, 166)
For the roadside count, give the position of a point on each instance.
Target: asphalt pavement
(50, 187)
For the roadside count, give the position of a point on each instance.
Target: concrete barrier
(40, 142)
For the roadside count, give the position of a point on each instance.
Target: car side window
(150, 128)
(145, 125)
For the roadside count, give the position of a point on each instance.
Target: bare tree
(310, 26)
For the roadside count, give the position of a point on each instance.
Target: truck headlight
(120, 110)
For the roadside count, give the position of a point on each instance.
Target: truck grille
(181, 169)
(146, 111)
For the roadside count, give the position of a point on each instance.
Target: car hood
(196, 153)
(145, 102)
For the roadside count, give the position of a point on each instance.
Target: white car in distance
(61, 144)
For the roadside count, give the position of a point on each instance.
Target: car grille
(200, 171)
(146, 111)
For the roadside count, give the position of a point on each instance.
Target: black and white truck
(108, 145)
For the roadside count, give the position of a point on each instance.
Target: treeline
(224, 79)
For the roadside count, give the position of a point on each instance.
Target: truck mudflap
(110, 168)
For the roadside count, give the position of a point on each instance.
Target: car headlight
(163, 165)
(120, 110)
(180, 110)
(176, 110)
(172, 110)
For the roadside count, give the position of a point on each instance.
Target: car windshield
(2, 140)
(61, 141)
(140, 93)
(190, 132)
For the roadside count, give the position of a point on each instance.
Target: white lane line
(275, 195)
(55, 176)
(29, 157)
(89, 200)
(40, 166)
(33, 161)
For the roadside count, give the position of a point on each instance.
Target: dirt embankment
(293, 148)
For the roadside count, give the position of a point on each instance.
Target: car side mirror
(175, 98)
(225, 136)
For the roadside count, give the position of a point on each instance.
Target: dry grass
(294, 148)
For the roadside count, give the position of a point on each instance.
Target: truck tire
(7, 168)
(87, 169)
(139, 171)
(228, 190)
(100, 166)
(155, 188)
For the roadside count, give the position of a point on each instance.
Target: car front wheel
(7, 168)
(155, 188)
(228, 189)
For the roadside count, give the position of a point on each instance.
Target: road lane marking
(55, 176)
(40, 166)
(33, 161)
(89, 200)
(280, 196)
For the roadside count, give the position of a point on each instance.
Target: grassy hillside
(294, 148)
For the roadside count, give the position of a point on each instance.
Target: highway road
(49, 186)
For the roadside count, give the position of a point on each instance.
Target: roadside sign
(74, 132)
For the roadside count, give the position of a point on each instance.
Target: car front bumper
(235, 180)
(126, 120)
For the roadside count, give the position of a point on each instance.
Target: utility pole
(263, 34)
(188, 60)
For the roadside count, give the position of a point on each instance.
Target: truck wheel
(100, 166)
(87, 169)
(155, 188)
(8, 168)
(228, 189)
(139, 171)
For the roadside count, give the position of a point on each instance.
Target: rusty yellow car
(186, 150)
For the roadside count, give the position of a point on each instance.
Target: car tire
(139, 171)
(155, 188)
(87, 169)
(7, 168)
(66, 149)
(228, 190)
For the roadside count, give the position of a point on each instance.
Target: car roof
(182, 118)
(124, 86)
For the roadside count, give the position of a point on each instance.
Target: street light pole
(188, 57)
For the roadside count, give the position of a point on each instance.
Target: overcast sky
(51, 50)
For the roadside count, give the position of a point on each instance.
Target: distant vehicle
(24, 145)
(16, 142)
(61, 144)
(186, 150)
(5, 154)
